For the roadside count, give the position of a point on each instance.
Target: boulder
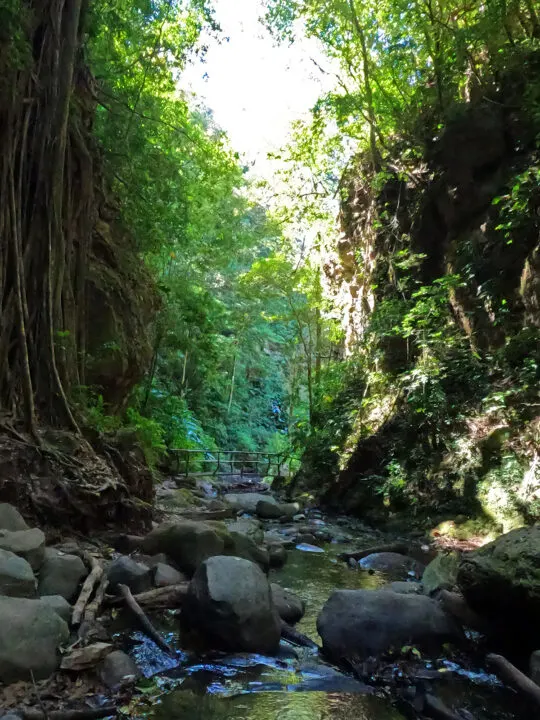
(29, 544)
(119, 670)
(187, 542)
(229, 603)
(249, 527)
(534, 667)
(242, 546)
(16, 576)
(441, 573)
(501, 581)
(30, 635)
(165, 575)
(273, 511)
(366, 623)
(125, 571)
(392, 564)
(290, 607)
(59, 604)
(247, 502)
(11, 519)
(277, 555)
(61, 574)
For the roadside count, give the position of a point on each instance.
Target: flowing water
(297, 684)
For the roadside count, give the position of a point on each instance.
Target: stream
(298, 684)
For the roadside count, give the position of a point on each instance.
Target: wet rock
(30, 635)
(502, 582)
(28, 544)
(271, 511)
(61, 574)
(229, 602)
(83, 658)
(277, 555)
(299, 517)
(534, 667)
(187, 542)
(165, 575)
(243, 547)
(441, 573)
(306, 547)
(16, 576)
(248, 527)
(125, 571)
(119, 670)
(306, 538)
(369, 622)
(290, 607)
(60, 606)
(392, 564)
(404, 587)
(247, 502)
(11, 519)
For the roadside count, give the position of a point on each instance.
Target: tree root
(514, 677)
(87, 589)
(165, 597)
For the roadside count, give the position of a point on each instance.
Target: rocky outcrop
(501, 581)
(30, 636)
(229, 603)
(364, 623)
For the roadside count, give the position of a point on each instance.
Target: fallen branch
(514, 677)
(297, 638)
(92, 608)
(86, 714)
(165, 597)
(87, 589)
(144, 622)
(397, 547)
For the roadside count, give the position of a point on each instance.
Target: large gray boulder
(16, 576)
(242, 546)
(30, 635)
(229, 603)
(247, 502)
(441, 573)
(29, 544)
(367, 623)
(125, 571)
(290, 607)
(11, 518)
(165, 575)
(501, 581)
(272, 511)
(187, 542)
(61, 574)
(392, 564)
(60, 606)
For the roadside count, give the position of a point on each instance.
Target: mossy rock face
(501, 581)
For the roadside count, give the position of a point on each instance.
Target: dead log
(143, 620)
(514, 677)
(297, 638)
(92, 608)
(165, 597)
(85, 714)
(87, 589)
(396, 547)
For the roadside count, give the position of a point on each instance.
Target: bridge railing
(206, 463)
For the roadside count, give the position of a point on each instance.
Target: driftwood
(514, 677)
(296, 638)
(92, 608)
(87, 589)
(165, 597)
(85, 714)
(397, 547)
(144, 622)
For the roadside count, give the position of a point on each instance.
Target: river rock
(249, 527)
(367, 623)
(29, 544)
(243, 547)
(392, 564)
(165, 575)
(277, 555)
(59, 604)
(247, 502)
(290, 607)
(441, 573)
(16, 576)
(125, 571)
(11, 518)
(119, 670)
(402, 587)
(272, 511)
(187, 542)
(30, 635)
(61, 574)
(229, 602)
(502, 582)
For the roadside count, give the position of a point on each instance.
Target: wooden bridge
(206, 463)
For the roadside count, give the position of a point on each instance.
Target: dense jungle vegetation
(149, 287)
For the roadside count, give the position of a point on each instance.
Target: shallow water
(297, 685)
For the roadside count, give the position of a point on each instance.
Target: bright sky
(255, 88)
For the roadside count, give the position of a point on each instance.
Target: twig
(87, 589)
(514, 677)
(144, 622)
(86, 714)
